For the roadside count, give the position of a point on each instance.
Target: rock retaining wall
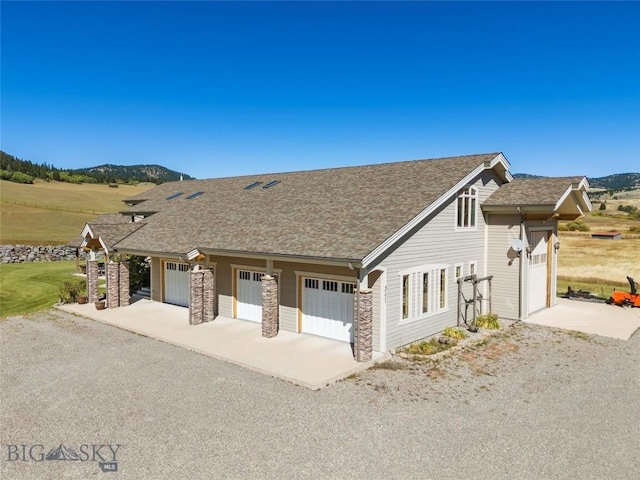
(31, 253)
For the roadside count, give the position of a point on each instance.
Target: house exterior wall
(287, 284)
(504, 264)
(436, 242)
(156, 279)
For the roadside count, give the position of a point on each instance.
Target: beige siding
(436, 241)
(156, 279)
(375, 284)
(286, 283)
(504, 265)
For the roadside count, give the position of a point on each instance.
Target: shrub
(577, 226)
(17, 177)
(455, 333)
(428, 347)
(488, 321)
(139, 272)
(72, 289)
(603, 206)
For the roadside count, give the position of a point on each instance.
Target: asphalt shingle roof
(531, 191)
(338, 213)
(104, 222)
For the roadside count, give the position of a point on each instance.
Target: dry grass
(608, 260)
(55, 212)
(602, 262)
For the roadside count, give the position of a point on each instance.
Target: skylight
(253, 185)
(271, 183)
(194, 195)
(175, 195)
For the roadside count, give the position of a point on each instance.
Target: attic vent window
(271, 184)
(194, 195)
(253, 185)
(175, 195)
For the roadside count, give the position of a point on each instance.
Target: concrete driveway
(589, 317)
(306, 360)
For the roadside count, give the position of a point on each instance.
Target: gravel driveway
(531, 403)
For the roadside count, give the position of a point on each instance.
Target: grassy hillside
(54, 212)
(603, 262)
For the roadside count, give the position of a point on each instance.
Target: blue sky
(220, 89)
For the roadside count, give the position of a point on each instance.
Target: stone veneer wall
(117, 284)
(270, 307)
(92, 280)
(364, 331)
(125, 294)
(113, 285)
(202, 296)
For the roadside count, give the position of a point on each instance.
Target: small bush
(72, 289)
(603, 206)
(455, 333)
(428, 347)
(562, 227)
(488, 321)
(577, 226)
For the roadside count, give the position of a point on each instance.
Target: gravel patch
(530, 403)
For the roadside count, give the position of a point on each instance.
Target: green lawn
(29, 287)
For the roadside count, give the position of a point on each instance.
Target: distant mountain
(617, 181)
(149, 173)
(526, 175)
(24, 171)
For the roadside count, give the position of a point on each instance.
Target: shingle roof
(114, 232)
(338, 213)
(531, 191)
(103, 219)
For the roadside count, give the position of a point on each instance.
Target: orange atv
(626, 299)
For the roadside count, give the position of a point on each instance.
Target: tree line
(25, 171)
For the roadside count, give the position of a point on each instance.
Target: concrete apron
(306, 360)
(588, 317)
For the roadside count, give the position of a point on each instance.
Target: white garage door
(538, 278)
(176, 283)
(327, 308)
(249, 295)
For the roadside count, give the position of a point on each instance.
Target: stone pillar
(270, 317)
(196, 297)
(209, 294)
(364, 332)
(92, 281)
(113, 285)
(124, 295)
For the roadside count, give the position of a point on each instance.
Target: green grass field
(49, 213)
(29, 287)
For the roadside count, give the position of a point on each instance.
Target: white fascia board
(87, 231)
(563, 197)
(581, 190)
(393, 239)
(104, 245)
(587, 202)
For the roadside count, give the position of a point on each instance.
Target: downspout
(521, 279)
(356, 334)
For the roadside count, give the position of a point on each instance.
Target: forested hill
(617, 181)
(25, 171)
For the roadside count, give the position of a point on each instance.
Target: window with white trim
(424, 291)
(457, 270)
(466, 207)
(473, 268)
